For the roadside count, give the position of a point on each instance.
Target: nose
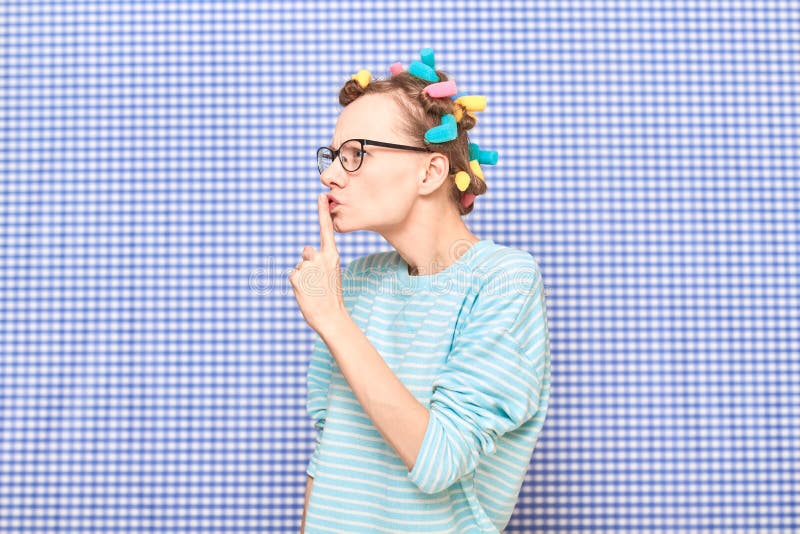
(334, 174)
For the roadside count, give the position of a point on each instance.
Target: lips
(332, 202)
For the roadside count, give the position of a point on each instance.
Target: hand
(317, 278)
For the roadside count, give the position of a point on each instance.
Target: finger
(326, 239)
(308, 253)
(296, 271)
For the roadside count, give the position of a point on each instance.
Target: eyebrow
(331, 144)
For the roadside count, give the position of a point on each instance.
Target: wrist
(335, 325)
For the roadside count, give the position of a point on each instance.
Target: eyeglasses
(351, 153)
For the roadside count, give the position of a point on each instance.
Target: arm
(396, 413)
(319, 289)
(309, 482)
(491, 383)
(318, 383)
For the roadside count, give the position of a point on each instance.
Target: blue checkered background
(159, 182)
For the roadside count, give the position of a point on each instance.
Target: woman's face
(379, 195)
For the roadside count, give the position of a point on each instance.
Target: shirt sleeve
(318, 379)
(318, 382)
(491, 382)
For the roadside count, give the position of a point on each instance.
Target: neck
(431, 238)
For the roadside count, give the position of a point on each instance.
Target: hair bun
(466, 120)
(351, 90)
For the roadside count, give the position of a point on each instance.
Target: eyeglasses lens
(324, 159)
(350, 155)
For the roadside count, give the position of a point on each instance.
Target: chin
(341, 227)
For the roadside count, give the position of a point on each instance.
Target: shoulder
(498, 256)
(509, 296)
(506, 268)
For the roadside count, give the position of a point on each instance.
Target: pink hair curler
(441, 89)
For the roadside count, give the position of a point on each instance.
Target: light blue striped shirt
(471, 343)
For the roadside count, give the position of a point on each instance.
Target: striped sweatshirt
(471, 344)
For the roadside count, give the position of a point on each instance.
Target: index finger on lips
(326, 238)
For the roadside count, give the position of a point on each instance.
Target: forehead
(371, 116)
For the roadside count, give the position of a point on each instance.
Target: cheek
(375, 192)
(391, 197)
(388, 195)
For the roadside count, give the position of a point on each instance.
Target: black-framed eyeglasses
(351, 153)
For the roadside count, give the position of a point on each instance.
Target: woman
(430, 375)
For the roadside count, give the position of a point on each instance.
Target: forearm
(400, 418)
(309, 482)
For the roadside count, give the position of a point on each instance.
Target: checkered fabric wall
(159, 182)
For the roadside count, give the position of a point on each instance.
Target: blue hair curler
(447, 131)
(423, 71)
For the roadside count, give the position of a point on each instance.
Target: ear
(434, 173)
